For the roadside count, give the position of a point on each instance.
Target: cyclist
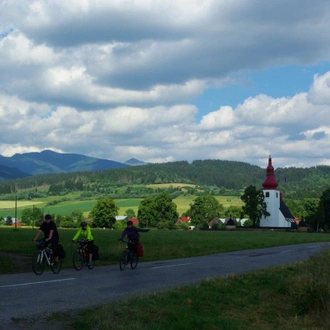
(132, 233)
(86, 233)
(49, 229)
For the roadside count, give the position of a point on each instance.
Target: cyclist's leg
(55, 249)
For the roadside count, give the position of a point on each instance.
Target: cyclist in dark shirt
(132, 233)
(49, 229)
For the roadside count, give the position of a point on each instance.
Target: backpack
(140, 250)
(96, 252)
(60, 251)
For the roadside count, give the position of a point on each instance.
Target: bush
(69, 224)
(121, 225)
(183, 226)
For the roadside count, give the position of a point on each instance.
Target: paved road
(30, 296)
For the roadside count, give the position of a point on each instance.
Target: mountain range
(47, 161)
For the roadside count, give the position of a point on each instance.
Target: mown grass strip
(260, 300)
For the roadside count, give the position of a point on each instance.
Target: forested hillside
(295, 183)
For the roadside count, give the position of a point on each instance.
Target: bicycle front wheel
(38, 263)
(77, 260)
(123, 260)
(134, 260)
(56, 266)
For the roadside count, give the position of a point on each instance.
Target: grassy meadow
(159, 244)
(290, 297)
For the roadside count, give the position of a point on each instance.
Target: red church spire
(270, 182)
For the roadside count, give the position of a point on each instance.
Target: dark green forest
(223, 177)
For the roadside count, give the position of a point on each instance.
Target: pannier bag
(96, 252)
(140, 251)
(60, 251)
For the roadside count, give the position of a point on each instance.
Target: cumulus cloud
(118, 79)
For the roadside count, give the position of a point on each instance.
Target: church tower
(280, 215)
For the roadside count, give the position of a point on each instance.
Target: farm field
(66, 207)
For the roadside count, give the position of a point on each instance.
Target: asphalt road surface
(30, 296)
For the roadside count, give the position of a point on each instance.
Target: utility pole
(16, 212)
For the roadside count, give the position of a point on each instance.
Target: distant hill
(134, 162)
(47, 162)
(9, 173)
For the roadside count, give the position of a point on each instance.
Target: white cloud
(119, 79)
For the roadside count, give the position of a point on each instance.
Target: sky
(164, 81)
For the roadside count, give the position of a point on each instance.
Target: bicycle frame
(45, 254)
(45, 257)
(81, 257)
(128, 256)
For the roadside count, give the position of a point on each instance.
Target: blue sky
(284, 81)
(167, 81)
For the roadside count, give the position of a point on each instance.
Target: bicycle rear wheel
(56, 267)
(123, 260)
(134, 260)
(38, 263)
(77, 260)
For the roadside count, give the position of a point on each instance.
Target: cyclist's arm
(123, 234)
(89, 234)
(51, 232)
(37, 235)
(77, 234)
(142, 230)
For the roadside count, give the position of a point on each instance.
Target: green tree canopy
(321, 218)
(104, 213)
(32, 216)
(204, 209)
(234, 212)
(157, 209)
(130, 213)
(255, 206)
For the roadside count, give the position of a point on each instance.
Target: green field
(161, 244)
(66, 207)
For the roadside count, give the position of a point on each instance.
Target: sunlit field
(66, 207)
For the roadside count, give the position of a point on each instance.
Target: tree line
(232, 176)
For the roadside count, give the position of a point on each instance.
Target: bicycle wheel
(134, 260)
(123, 260)
(56, 266)
(38, 263)
(77, 260)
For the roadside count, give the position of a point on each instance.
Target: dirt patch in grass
(17, 263)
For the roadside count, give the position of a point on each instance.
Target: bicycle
(80, 256)
(128, 256)
(44, 257)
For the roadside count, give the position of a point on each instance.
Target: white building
(280, 215)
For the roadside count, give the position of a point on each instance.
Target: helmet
(129, 223)
(48, 217)
(84, 223)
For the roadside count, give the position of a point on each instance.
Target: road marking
(171, 266)
(34, 283)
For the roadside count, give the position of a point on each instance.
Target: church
(280, 216)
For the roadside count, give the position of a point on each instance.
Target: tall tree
(104, 213)
(203, 209)
(322, 216)
(158, 209)
(255, 206)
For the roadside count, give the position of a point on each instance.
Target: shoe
(89, 263)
